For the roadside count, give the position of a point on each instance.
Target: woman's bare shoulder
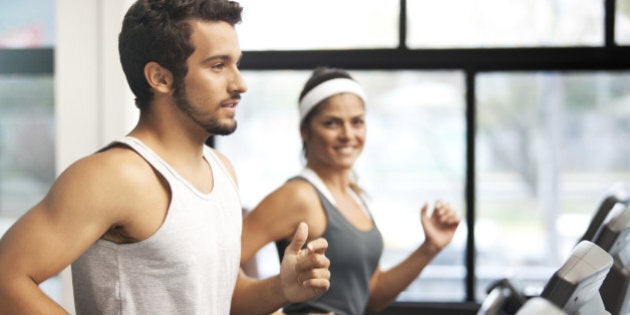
(297, 191)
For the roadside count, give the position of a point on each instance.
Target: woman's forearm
(386, 285)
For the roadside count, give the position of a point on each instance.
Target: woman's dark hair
(319, 76)
(159, 31)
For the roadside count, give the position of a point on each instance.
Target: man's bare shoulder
(115, 163)
(108, 180)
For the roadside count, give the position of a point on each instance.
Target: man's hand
(304, 272)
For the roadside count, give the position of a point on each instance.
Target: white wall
(93, 104)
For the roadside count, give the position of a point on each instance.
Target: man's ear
(159, 78)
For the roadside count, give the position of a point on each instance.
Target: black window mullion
(470, 185)
(402, 25)
(609, 23)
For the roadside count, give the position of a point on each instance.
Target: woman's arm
(439, 229)
(278, 215)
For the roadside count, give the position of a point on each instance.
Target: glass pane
(414, 153)
(504, 23)
(549, 147)
(322, 24)
(27, 155)
(622, 22)
(27, 23)
(27, 149)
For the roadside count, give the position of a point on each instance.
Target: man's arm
(50, 236)
(303, 275)
(25, 254)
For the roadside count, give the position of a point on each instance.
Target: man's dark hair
(159, 31)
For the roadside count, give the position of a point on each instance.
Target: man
(152, 223)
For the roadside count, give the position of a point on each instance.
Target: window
(516, 69)
(501, 23)
(481, 127)
(26, 123)
(27, 24)
(27, 150)
(322, 24)
(622, 22)
(549, 145)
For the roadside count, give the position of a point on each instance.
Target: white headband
(326, 90)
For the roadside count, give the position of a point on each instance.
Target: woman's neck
(337, 181)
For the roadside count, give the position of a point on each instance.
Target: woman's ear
(159, 78)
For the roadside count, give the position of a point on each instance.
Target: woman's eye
(330, 123)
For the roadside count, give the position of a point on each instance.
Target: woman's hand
(440, 226)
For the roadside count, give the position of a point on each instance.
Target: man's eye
(218, 66)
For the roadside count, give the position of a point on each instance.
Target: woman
(325, 196)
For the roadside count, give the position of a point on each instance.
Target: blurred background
(516, 112)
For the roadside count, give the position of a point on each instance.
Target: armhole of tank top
(326, 205)
(282, 244)
(157, 167)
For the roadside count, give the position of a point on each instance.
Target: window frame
(26, 61)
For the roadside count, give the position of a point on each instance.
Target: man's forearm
(253, 296)
(25, 297)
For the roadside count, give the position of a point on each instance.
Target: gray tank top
(188, 266)
(354, 256)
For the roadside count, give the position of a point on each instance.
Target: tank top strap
(327, 203)
(170, 174)
(217, 165)
(310, 176)
(148, 155)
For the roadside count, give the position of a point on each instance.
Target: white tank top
(188, 266)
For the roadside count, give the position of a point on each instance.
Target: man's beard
(212, 126)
